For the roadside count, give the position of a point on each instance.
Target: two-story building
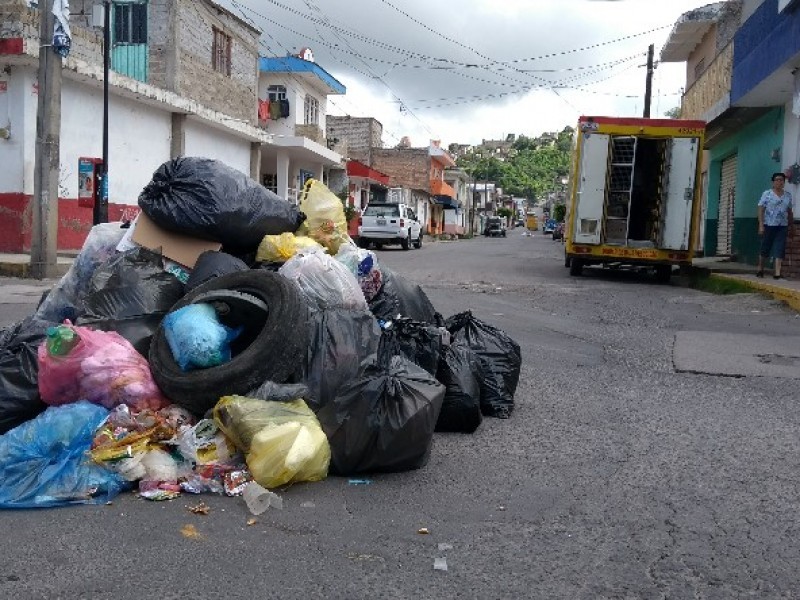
(184, 81)
(292, 106)
(742, 59)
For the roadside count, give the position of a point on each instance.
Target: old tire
(404, 243)
(418, 242)
(273, 352)
(575, 267)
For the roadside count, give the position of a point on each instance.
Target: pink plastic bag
(103, 368)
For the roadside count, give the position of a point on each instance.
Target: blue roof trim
(295, 64)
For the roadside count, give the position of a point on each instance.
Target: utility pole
(648, 88)
(44, 235)
(100, 210)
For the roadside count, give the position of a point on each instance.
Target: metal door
(727, 200)
(591, 195)
(678, 198)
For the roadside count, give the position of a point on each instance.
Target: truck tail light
(402, 223)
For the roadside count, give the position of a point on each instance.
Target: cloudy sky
(467, 70)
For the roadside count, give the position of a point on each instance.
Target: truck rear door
(591, 195)
(678, 198)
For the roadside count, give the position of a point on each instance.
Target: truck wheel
(575, 267)
(404, 241)
(418, 242)
(567, 259)
(663, 273)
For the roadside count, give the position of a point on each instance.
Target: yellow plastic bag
(283, 441)
(325, 221)
(280, 248)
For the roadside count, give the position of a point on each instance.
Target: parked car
(385, 223)
(549, 225)
(558, 232)
(494, 227)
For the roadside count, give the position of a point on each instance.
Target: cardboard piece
(181, 248)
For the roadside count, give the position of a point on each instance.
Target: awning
(359, 169)
(446, 201)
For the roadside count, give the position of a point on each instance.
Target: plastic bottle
(259, 499)
(61, 340)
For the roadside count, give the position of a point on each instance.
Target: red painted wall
(74, 222)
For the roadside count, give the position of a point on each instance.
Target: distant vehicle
(549, 226)
(558, 232)
(385, 223)
(494, 227)
(521, 223)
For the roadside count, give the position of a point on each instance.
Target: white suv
(386, 223)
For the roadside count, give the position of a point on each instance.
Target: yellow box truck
(634, 194)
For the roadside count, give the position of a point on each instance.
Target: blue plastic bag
(45, 462)
(196, 337)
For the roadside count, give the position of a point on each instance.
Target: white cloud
(467, 104)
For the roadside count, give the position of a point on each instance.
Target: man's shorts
(774, 241)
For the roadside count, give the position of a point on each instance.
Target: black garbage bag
(19, 372)
(461, 408)
(207, 199)
(211, 264)
(383, 421)
(499, 362)
(130, 294)
(340, 341)
(398, 296)
(419, 342)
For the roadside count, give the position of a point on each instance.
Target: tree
(673, 113)
(559, 212)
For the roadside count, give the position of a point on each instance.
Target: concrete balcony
(310, 132)
(710, 95)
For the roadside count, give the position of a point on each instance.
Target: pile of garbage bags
(286, 354)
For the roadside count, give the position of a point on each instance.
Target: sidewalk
(787, 290)
(19, 265)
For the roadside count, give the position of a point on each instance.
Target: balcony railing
(311, 132)
(710, 95)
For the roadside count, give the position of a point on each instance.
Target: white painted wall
(139, 138)
(296, 92)
(790, 154)
(202, 140)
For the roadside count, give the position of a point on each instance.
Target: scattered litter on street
(443, 547)
(199, 509)
(190, 531)
(423, 531)
(440, 564)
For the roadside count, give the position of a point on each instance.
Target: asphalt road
(616, 477)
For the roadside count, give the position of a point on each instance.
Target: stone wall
(235, 94)
(407, 167)
(359, 135)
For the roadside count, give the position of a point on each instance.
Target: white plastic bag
(325, 281)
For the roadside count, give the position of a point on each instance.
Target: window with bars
(276, 92)
(130, 23)
(221, 52)
(311, 111)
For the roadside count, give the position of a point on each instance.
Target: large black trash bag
(19, 372)
(499, 362)
(420, 343)
(398, 296)
(383, 421)
(130, 294)
(461, 408)
(340, 341)
(206, 198)
(211, 264)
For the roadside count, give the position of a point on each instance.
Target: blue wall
(765, 42)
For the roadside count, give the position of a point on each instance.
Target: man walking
(775, 219)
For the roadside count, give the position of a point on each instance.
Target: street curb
(790, 297)
(22, 270)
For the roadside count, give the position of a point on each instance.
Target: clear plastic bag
(283, 441)
(325, 220)
(196, 337)
(364, 265)
(280, 248)
(44, 462)
(99, 366)
(325, 282)
(66, 299)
